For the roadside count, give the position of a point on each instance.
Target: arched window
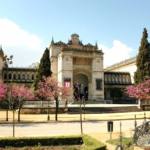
(5, 76)
(18, 76)
(28, 77)
(10, 76)
(23, 77)
(32, 76)
(14, 76)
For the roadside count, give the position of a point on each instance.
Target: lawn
(126, 142)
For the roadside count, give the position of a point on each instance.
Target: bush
(44, 141)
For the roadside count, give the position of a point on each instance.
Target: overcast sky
(27, 26)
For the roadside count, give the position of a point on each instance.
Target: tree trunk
(56, 109)
(19, 114)
(7, 115)
(13, 123)
(48, 116)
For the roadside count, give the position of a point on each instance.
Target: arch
(83, 71)
(23, 76)
(18, 76)
(81, 79)
(28, 77)
(5, 76)
(32, 77)
(10, 76)
(14, 76)
(81, 83)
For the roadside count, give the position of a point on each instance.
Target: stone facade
(77, 63)
(19, 75)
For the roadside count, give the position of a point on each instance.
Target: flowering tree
(140, 91)
(3, 91)
(4, 103)
(14, 96)
(19, 94)
(50, 89)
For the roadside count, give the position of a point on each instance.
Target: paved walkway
(76, 117)
(68, 128)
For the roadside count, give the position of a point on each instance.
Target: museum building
(74, 63)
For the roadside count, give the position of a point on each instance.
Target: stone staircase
(94, 109)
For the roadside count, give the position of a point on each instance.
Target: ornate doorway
(81, 80)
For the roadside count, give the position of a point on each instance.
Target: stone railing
(43, 104)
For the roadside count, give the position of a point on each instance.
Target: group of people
(80, 92)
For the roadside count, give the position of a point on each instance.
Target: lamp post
(8, 61)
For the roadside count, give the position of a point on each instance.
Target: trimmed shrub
(44, 141)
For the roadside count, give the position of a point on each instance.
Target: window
(14, 76)
(18, 76)
(32, 77)
(5, 76)
(98, 84)
(10, 76)
(23, 77)
(28, 77)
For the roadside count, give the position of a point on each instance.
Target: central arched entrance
(81, 79)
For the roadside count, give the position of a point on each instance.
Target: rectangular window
(98, 84)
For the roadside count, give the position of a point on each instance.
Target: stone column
(65, 71)
(97, 75)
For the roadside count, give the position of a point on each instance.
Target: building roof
(121, 64)
(20, 69)
(117, 78)
(78, 46)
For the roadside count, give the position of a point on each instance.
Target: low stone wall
(41, 110)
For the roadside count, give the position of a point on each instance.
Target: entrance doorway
(80, 86)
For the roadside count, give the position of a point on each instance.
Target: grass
(92, 144)
(89, 144)
(126, 142)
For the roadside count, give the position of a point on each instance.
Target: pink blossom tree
(15, 95)
(3, 91)
(20, 94)
(50, 89)
(140, 91)
(4, 102)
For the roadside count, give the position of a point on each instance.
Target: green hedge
(44, 141)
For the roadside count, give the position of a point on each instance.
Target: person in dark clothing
(76, 92)
(86, 93)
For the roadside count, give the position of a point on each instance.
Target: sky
(27, 26)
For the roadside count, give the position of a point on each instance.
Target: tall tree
(143, 59)
(44, 69)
